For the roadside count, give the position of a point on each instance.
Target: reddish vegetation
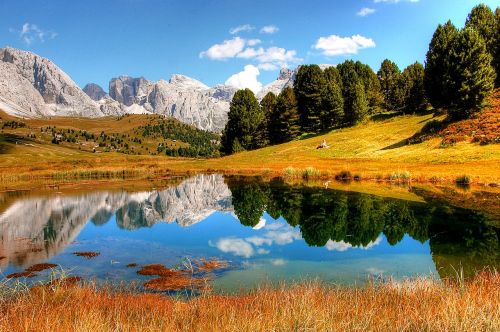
(483, 127)
(87, 254)
(204, 265)
(27, 274)
(132, 265)
(160, 271)
(176, 283)
(41, 267)
(171, 279)
(2, 257)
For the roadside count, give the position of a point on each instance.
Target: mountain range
(33, 86)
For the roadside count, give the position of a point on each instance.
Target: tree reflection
(458, 237)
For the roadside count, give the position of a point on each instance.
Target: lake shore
(420, 304)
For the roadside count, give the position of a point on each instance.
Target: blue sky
(211, 40)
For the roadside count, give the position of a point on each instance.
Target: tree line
(459, 73)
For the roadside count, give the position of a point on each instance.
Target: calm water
(269, 231)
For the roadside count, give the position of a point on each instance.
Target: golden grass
(375, 150)
(418, 305)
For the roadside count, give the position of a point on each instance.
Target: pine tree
(285, 121)
(308, 87)
(333, 102)
(353, 92)
(483, 20)
(390, 83)
(244, 119)
(472, 76)
(413, 80)
(496, 57)
(267, 105)
(372, 86)
(437, 73)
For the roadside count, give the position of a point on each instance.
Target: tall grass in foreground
(419, 305)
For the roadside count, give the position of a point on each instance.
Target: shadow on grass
(7, 142)
(429, 130)
(385, 116)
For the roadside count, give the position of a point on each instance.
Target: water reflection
(458, 238)
(36, 229)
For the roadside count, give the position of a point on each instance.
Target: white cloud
(241, 28)
(246, 79)
(260, 224)
(268, 58)
(228, 49)
(394, 1)
(269, 29)
(236, 247)
(343, 246)
(365, 11)
(30, 33)
(335, 45)
(267, 66)
(278, 262)
(259, 241)
(253, 42)
(262, 251)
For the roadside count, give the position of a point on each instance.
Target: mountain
(33, 86)
(33, 230)
(94, 91)
(285, 80)
(183, 98)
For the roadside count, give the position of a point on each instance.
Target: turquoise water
(270, 232)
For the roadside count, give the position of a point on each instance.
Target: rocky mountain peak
(94, 91)
(285, 74)
(186, 82)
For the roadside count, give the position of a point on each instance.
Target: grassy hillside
(377, 149)
(129, 134)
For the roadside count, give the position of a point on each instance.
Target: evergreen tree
(437, 73)
(308, 87)
(483, 20)
(285, 120)
(244, 120)
(268, 106)
(472, 76)
(391, 85)
(496, 57)
(372, 86)
(353, 92)
(413, 78)
(333, 102)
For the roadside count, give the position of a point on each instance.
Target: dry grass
(419, 305)
(374, 151)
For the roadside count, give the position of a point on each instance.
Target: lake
(268, 231)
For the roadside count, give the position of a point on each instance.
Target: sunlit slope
(375, 140)
(374, 149)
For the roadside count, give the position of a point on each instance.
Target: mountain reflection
(35, 229)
